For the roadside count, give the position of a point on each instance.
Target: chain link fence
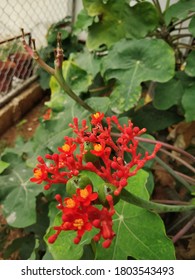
(35, 17)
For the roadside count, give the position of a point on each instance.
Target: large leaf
(18, 194)
(64, 248)
(188, 102)
(116, 19)
(192, 26)
(51, 136)
(83, 21)
(88, 61)
(155, 120)
(168, 94)
(190, 64)
(3, 166)
(99, 102)
(139, 233)
(179, 10)
(131, 62)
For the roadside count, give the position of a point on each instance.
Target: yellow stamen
(84, 193)
(98, 147)
(70, 203)
(38, 173)
(78, 223)
(66, 148)
(96, 115)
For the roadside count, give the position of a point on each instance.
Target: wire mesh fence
(35, 17)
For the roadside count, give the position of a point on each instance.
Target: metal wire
(35, 17)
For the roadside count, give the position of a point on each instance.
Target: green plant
(10, 47)
(70, 44)
(96, 95)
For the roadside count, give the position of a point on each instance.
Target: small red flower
(68, 148)
(97, 118)
(98, 149)
(40, 174)
(86, 196)
(47, 115)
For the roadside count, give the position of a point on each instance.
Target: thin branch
(181, 21)
(175, 202)
(183, 230)
(178, 159)
(185, 46)
(180, 36)
(168, 146)
(171, 171)
(186, 177)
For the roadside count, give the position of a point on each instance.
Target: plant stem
(167, 5)
(168, 146)
(180, 36)
(183, 230)
(181, 21)
(187, 178)
(59, 77)
(185, 46)
(152, 206)
(159, 10)
(171, 171)
(178, 159)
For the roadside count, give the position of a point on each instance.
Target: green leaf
(51, 136)
(3, 165)
(188, 102)
(140, 234)
(190, 64)
(64, 248)
(99, 102)
(168, 94)
(155, 120)
(95, 179)
(18, 195)
(52, 35)
(179, 10)
(110, 25)
(131, 62)
(88, 61)
(83, 21)
(77, 78)
(192, 26)
(58, 98)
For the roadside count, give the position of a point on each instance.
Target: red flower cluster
(78, 214)
(93, 150)
(109, 155)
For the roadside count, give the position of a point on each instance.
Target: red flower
(86, 196)
(97, 118)
(40, 174)
(47, 115)
(68, 147)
